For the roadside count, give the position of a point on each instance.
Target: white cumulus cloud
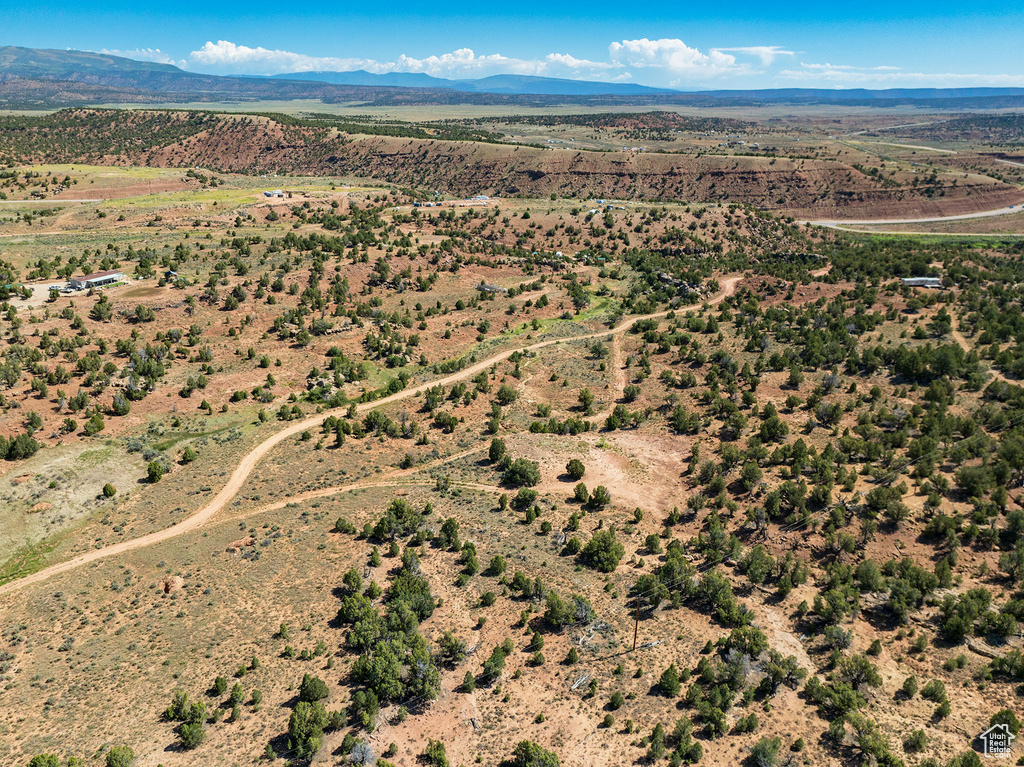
(226, 56)
(676, 58)
(667, 61)
(462, 63)
(884, 76)
(242, 59)
(143, 54)
(766, 54)
(573, 63)
(662, 62)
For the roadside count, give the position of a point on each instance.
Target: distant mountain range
(531, 85)
(508, 84)
(35, 78)
(797, 95)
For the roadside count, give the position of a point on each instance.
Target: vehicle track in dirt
(249, 462)
(964, 344)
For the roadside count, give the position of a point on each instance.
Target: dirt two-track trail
(253, 457)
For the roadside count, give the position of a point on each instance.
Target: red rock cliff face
(804, 188)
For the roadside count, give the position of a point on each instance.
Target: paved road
(909, 146)
(838, 223)
(894, 127)
(251, 459)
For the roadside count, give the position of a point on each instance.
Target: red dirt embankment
(805, 188)
(802, 188)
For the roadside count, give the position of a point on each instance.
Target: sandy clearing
(618, 378)
(783, 640)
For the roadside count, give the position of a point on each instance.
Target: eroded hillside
(812, 188)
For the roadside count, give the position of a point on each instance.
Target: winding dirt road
(964, 344)
(251, 459)
(54, 200)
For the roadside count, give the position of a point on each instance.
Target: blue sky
(681, 44)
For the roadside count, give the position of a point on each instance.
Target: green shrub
(765, 753)
(306, 728)
(1007, 717)
(120, 756)
(603, 551)
(434, 755)
(934, 691)
(668, 683)
(910, 686)
(191, 735)
(497, 450)
(600, 497)
(521, 473)
(529, 754)
(312, 689)
(915, 741)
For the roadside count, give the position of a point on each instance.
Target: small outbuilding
(923, 282)
(97, 279)
(488, 288)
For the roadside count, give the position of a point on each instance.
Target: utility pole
(636, 626)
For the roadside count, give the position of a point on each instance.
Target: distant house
(274, 193)
(923, 282)
(96, 280)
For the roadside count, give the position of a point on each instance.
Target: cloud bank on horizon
(667, 62)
